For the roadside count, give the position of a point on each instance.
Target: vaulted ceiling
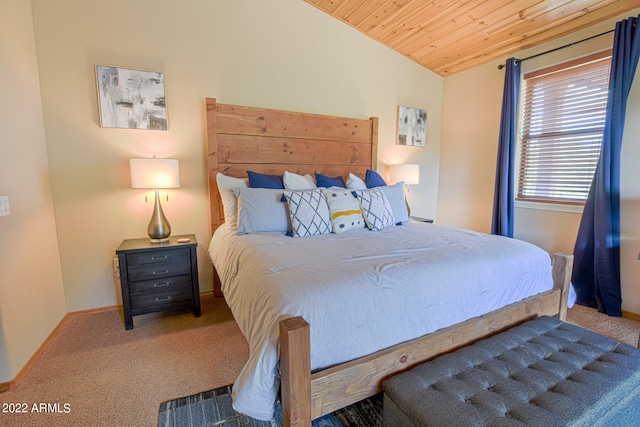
(448, 36)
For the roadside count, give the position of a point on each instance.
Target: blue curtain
(596, 272)
(503, 197)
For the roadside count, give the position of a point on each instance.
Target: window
(563, 117)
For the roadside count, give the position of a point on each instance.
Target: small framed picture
(412, 126)
(131, 99)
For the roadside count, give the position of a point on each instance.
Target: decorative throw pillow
(395, 196)
(309, 212)
(261, 180)
(226, 184)
(293, 181)
(355, 183)
(261, 210)
(375, 208)
(373, 179)
(327, 181)
(344, 209)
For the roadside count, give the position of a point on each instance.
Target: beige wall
(31, 291)
(471, 116)
(281, 54)
(470, 127)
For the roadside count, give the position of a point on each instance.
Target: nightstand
(417, 218)
(158, 276)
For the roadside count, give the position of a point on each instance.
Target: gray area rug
(213, 408)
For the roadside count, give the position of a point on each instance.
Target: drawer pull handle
(158, 273)
(161, 285)
(163, 299)
(154, 257)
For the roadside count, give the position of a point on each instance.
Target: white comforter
(362, 291)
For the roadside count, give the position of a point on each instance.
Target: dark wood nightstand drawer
(158, 276)
(154, 271)
(159, 298)
(173, 256)
(168, 284)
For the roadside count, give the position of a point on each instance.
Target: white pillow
(395, 196)
(355, 183)
(261, 210)
(293, 181)
(309, 212)
(229, 201)
(345, 210)
(375, 209)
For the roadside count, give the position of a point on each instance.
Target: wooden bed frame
(272, 141)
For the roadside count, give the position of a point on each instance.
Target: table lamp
(409, 173)
(156, 174)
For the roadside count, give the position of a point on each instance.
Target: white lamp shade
(154, 173)
(409, 173)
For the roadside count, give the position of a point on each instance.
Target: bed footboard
(295, 367)
(306, 396)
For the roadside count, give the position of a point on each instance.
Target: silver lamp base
(159, 240)
(159, 228)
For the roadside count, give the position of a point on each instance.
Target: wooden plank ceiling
(448, 36)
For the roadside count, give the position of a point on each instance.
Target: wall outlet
(5, 209)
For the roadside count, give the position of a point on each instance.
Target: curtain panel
(596, 273)
(504, 192)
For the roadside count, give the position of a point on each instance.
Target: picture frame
(412, 126)
(131, 99)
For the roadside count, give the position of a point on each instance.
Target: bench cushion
(544, 372)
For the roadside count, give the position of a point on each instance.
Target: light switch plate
(4, 206)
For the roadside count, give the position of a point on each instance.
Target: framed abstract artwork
(412, 126)
(131, 99)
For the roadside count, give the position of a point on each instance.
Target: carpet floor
(112, 377)
(109, 376)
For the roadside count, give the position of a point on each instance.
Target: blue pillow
(326, 181)
(373, 179)
(260, 180)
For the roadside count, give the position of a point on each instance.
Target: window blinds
(563, 120)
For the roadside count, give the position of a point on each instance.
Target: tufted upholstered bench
(544, 372)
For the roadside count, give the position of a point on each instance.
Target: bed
(347, 314)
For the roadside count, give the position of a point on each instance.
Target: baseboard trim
(94, 310)
(630, 315)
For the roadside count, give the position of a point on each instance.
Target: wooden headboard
(273, 141)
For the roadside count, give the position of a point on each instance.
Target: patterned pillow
(375, 208)
(309, 212)
(344, 209)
